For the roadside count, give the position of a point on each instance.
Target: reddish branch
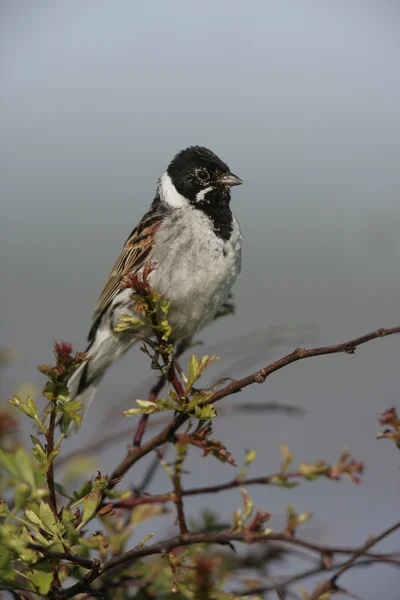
(178, 493)
(236, 386)
(211, 489)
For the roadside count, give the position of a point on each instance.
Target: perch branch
(235, 386)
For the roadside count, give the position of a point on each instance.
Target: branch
(212, 489)
(150, 472)
(50, 471)
(330, 584)
(298, 354)
(301, 575)
(237, 385)
(224, 537)
(83, 562)
(178, 491)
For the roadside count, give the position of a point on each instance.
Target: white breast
(195, 268)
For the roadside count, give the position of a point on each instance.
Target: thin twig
(311, 572)
(330, 584)
(299, 354)
(150, 472)
(83, 562)
(211, 489)
(178, 491)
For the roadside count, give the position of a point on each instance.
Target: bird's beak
(229, 180)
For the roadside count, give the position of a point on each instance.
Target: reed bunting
(191, 235)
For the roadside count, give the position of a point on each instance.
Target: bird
(192, 237)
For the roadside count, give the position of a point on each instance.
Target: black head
(201, 177)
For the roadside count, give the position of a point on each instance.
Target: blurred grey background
(302, 100)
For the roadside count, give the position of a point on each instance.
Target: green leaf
(196, 400)
(8, 463)
(68, 520)
(197, 367)
(311, 471)
(42, 581)
(205, 412)
(164, 305)
(248, 504)
(8, 575)
(127, 322)
(73, 406)
(4, 510)
(51, 457)
(287, 457)
(85, 488)
(147, 404)
(100, 483)
(47, 517)
(22, 493)
(37, 442)
(33, 517)
(147, 407)
(18, 403)
(66, 422)
(304, 517)
(166, 330)
(282, 482)
(91, 503)
(25, 467)
(31, 406)
(250, 458)
(38, 451)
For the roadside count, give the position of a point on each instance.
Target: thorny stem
(236, 386)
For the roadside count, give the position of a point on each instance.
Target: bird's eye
(203, 175)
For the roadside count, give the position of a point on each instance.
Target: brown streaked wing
(137, 250)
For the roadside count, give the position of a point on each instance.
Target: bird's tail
(104, 350)
(83, 389)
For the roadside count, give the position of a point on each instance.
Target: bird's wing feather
(138, 248)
